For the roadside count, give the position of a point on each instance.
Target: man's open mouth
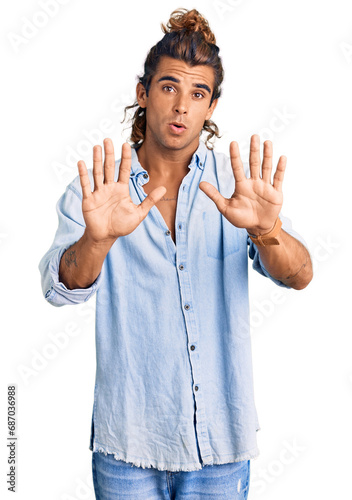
(177, 127)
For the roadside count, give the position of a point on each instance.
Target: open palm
(108, 210)
(256, 202)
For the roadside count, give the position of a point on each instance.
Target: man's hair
(187, 38)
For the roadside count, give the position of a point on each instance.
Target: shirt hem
(172, 467)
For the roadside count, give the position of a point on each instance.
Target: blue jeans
(115, 479)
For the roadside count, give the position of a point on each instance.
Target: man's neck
(165, 163)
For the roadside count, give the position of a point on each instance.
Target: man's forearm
(81, 264)
(288, 262)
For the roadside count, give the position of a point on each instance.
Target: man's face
(178, 94)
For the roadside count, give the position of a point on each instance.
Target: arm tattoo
(70, 258)
(299, 270)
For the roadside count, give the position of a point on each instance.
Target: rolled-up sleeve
(254, 253)
(70, 229)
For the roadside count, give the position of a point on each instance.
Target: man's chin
(179, 143)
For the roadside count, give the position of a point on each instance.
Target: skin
(256, 204)
(109, 212)
(165, 153)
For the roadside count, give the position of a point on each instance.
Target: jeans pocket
(221, 237)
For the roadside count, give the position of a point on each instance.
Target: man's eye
(168, 87)
(198, 95)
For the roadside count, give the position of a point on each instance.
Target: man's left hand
(256, 202)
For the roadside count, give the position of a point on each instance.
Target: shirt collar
(198, 159)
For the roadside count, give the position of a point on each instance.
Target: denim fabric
(114, 479)
(174, 385)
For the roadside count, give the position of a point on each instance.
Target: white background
(69, 78)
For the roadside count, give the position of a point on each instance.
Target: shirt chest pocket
(221, 237)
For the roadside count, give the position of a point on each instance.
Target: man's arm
(255, 205)
(81, 264)
(288, 262)
(108, 213)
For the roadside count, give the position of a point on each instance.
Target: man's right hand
(108, 210)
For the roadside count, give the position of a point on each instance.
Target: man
(167, 253)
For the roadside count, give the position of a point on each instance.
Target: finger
(84, 179)
(153, 197)
(279, 174)
(254, 156)
(236, 162)
(125, 165)
(97, 167)
(109, 161)
(267, 161)
(214, 195)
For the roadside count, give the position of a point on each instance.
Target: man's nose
(181, 105)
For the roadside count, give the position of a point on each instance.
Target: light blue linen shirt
(174, 385)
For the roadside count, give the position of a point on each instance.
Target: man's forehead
(168, 66)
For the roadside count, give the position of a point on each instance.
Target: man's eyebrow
(202, 86)
(197, 85)
(170, 78)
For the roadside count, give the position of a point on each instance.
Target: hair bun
(189, 21)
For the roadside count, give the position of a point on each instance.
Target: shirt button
(145, 176)
(181, 267)
(196, 388)
(167, 233)
(180, 226)
(192, 347)
(187, 306)
(201, 164)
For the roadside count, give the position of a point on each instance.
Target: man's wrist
(267, 238)
(95, 245)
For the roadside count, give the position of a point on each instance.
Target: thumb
(152, 198)
(214, 195)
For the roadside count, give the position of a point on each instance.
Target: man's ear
(141, 95)
(211, 109)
